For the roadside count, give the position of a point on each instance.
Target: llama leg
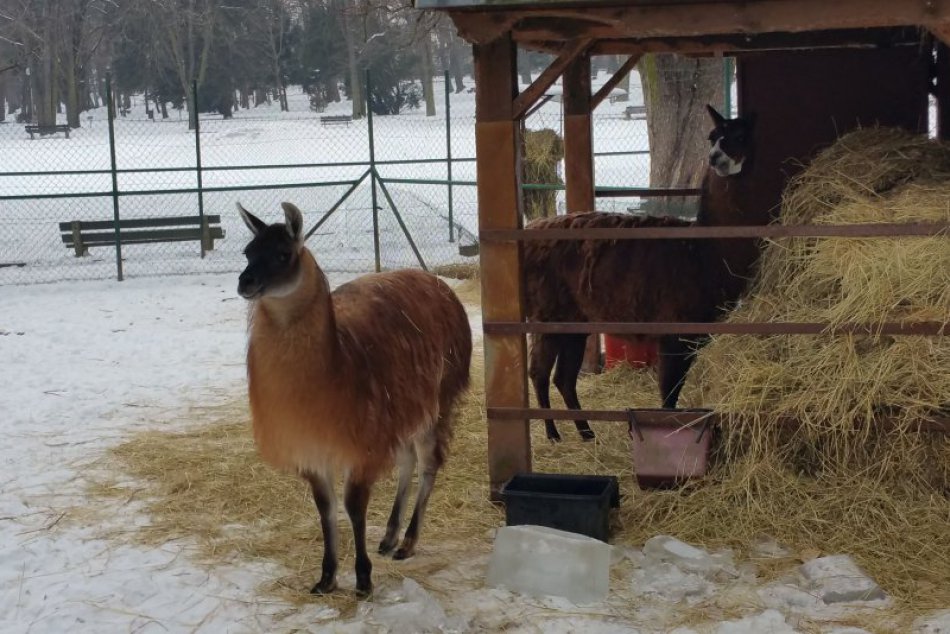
(565, 376)
(325, 499)
(406, 459)
(355, 500)
(543, 356)
(426, 451)
(676, 356)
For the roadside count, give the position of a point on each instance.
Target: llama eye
(283, 258)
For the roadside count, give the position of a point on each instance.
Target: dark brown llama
(644, 280)
(350, 381)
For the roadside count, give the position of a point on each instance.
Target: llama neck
(307, 309)
(730, 201)
(722, 200)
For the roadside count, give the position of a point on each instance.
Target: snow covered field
(155, 151)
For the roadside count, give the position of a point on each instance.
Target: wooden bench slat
(138, 223)
(131, 237)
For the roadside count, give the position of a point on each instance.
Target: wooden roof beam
(731, 43)
(539, 86)
(616, 78)
(692, 19)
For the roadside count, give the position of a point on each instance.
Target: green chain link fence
(377, 192)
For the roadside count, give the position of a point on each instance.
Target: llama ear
(255, 224)
(294, 219)
(717, 118)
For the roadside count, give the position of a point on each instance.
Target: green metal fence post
(201, 197)
(373, 174)
(448, 154)
(115, 178)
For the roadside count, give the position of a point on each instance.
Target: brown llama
(351, 381)
(644, 280)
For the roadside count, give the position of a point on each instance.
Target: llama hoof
(587, 435)
(554, 437)
(386, 546)
(364, 590)
(403, 553)
(324, 586)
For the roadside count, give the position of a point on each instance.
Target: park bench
(635, 112)
(43, 130)
(336, 119)
(79, 235)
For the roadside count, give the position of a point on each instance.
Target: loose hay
(543, 151)
(457, 270)
(823, 488)
(841, 481)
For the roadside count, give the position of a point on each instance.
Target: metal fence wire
(378, 192)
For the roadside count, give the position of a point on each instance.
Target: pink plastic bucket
(669, 453)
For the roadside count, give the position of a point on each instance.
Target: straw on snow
(835, 484)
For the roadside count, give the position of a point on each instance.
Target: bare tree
(275, 23)
(452, 51)
(185, 31)
(82, 26)
(675, 91)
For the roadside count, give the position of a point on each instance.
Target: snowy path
(83, 365)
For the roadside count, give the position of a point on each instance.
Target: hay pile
(840, 482)
(832, 382)
(543, 151)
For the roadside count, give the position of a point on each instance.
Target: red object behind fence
(638, 355)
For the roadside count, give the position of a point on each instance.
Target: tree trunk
(14, 99)
(675, 91)
(356, 77)
(245, 98)
(425, 63)
(72, 95)
(452, 55)
(3, 98)
(44, 90)
(26, 99)
(332, 90)
(281, 93)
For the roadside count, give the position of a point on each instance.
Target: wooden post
(579, 161)
(80, 248)
(498, 173)
(207, 242)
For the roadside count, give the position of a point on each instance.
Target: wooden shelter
(810, 69)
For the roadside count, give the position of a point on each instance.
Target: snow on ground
(86, 363)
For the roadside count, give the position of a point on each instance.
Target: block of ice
(542, 561)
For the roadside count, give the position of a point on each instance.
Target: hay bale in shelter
(831, 383)
(840, 481)
(543, 150)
